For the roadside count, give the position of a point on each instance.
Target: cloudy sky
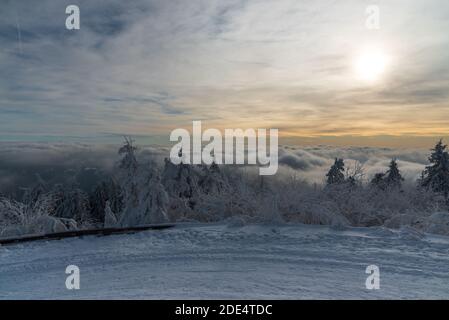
(145, 67)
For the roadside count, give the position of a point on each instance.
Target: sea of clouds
(22, 164)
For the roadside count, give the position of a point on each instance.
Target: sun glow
(371, 64)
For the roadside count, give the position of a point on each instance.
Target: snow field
(220, 261)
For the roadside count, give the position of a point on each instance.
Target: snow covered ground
(231, 261)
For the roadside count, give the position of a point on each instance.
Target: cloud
(300, 159)
(22, 163)
(312, 163)
(150, 66)
(87, 163)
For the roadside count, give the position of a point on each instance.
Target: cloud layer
(86, 164)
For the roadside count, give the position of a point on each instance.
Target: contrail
(19, 34)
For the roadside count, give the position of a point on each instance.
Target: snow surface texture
(232, 260)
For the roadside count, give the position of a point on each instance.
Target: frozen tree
(181, 180)
(393, 177)
(155, 200)
(213, 180)
(32, 195)
(144, 199)
(127, 175)
(182, 185)
(355, 174)
(379, 181)
(110, 220)
(106, 191)
(336, 172)
(11, 212)
(70, 202)
(128, 161)
(436, 175)
(17, 218)
(146, 202)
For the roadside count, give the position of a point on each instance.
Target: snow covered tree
(336, 172)
(110, 219)
(436, 175)
(393, 177)
(213, 181)
(180, 180)
(128, 161)
(127, 176)
(11, 212)
(33, 194)
(71, 203)
(17, 218)
(379, 181)
(147, 202)
(354, 175)
(106, 191)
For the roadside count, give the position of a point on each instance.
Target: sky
(146, 67)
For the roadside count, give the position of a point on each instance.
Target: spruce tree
(393, 177)
(128, 160)
(436, 175)
(379, 181)
(105, 191)
(336, 172)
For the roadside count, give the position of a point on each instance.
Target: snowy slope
(231, 261)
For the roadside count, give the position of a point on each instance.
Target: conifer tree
(436, 175)
(336, 172)
(393, 177)
(379, 181)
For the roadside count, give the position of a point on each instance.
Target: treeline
(144, 193)
(434, 177)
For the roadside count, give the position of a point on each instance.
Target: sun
(371, 64)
